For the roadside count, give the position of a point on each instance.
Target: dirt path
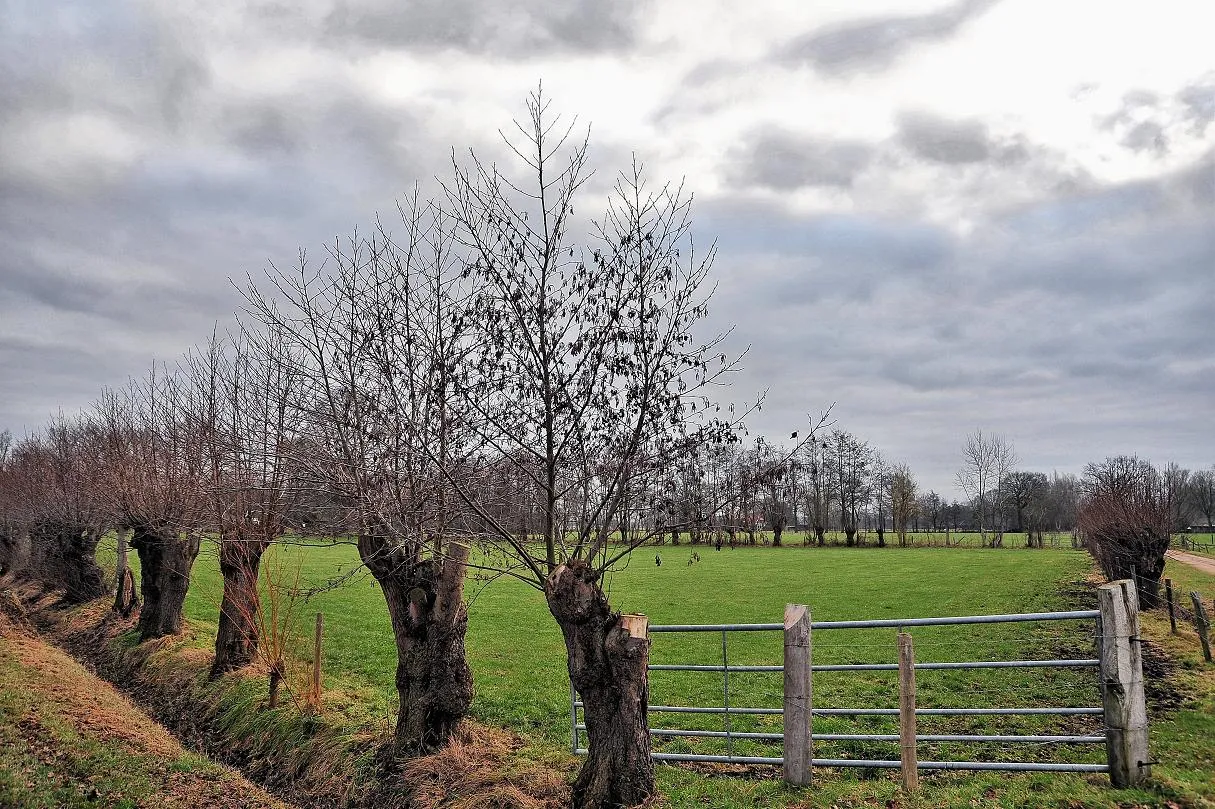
(1203, 563)
(69, 739)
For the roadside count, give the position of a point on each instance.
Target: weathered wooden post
(799, 702)
(316, 662)
(1202, 624)
(907, 725)
(1168, 593)
(1126, 727)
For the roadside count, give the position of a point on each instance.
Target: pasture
(518, 658)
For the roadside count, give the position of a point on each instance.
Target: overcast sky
(941, 216)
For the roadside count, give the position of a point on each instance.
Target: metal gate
(729, 711)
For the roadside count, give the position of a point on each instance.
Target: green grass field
(518, 661)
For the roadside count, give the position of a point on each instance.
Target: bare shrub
(1126, 518)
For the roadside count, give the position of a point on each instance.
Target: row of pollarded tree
(407, 390)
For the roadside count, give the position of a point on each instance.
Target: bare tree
(1177, 481)
(849, 460)
(1126, 517)
(879, 494)
(241, 403)
(1024, 495)
(152, 468)
(1062, 503)
(10, 522)
(587, 368)
(1201, 494)
(378, 336)
(986, 461)
(904, 503)
(932, 507)
(818, 491)
(774, 477)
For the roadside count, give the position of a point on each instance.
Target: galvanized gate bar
(717, 627)
(884, 737)
(718, 759)
(892, 623)
(885, 711)
(898, 623)
(946, 737)
(1010, 766)
(682, 667)
(978, 664)
(718, 734)
(695, 709)
(958, 711)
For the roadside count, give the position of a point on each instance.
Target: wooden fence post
(316, 662)
(799, 701)
(1126, 727)
(1168, 592)
(1202, 624)
(907, 726)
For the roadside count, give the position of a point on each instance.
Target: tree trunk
(75, 565)
(776, 532)
(850, 534)
(276, 680)
(1147, 573)
(425, 601)
(16, 549)
(236, 639)
(125, 600)
(165, 559)
(881, 532)
(607, 666)
(820, 536)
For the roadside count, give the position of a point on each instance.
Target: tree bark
(165, 560)
(776, 533)
(236, 639)
(125, 600)
(425, 599)
(820, 536)
(607, 666)
(75, 564)
(15, 551)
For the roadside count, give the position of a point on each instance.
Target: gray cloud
(1146, 136)
(785, 161)
(519, 30)
(1199, 103)
(953, 142)
(1079, 326)
(1145, 122)
(137, 178)
(876, 43)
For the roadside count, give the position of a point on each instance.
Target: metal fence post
(1202, 624)
(1126, 727)
(907, 725)
(798, 696)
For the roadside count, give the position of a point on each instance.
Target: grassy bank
(70, 741)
